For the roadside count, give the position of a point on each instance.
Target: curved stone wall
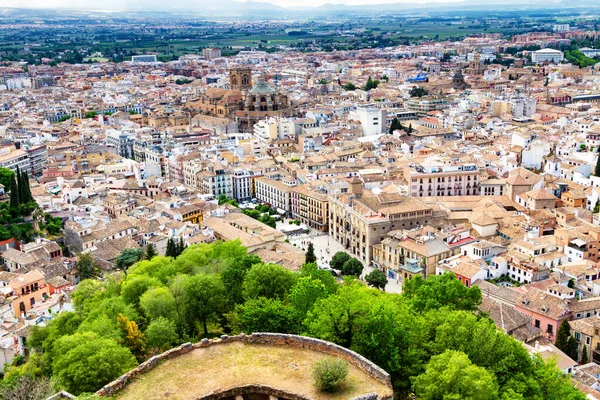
(277, 339)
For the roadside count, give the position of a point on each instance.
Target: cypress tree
(181, 246)
(14, 194)
(562, 336)
(395, 125)
(26, 187)
(171, 248)
(310, 256)
(584, 355)
(150, 251)
(572, 348)
(597, 170)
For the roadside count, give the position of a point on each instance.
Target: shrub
(330, 373)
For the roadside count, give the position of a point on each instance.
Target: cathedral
(243, 102)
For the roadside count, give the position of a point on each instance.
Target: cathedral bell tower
(240, 78)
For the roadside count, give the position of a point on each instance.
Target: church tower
(240, 78)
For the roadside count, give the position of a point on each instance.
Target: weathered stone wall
(257, 338)
(253, 389)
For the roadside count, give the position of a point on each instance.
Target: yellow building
(310, 207)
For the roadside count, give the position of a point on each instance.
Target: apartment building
(442, 180)
(310, 207)
(215, 180)
(276, 193)
(360, 220)
(13, 159)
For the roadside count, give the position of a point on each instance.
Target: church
(243, 102)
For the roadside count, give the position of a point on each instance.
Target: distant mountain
(208, 9)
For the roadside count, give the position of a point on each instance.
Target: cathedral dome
(262, 88)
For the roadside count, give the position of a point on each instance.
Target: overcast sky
(175, 4)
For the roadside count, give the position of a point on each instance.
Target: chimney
(355, 186)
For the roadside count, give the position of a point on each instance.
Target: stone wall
(257, 338)
(253, 389)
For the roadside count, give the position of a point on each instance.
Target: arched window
(234, 80)
(245, 80)
(263, 99)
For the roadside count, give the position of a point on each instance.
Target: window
(550, 328)
(537, 323)
(577, 336)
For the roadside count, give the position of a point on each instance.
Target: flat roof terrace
(258, 366)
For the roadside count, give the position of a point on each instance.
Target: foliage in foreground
(218, 288)
(329, 373)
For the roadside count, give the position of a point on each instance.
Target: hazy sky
(176, 4)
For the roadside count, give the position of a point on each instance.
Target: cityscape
(288, 200)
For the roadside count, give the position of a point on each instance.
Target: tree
(306, 293)
(418, 91)
(15, 201)
(85, 362)
(553, 384)
(161, 335)
(150, 251)
(451, 375)
(135, 286)
(171, 248)
(233, 277)
(584, 355)
(562, 337)
(90, 114)
(181, 246)
(159, 303)
(203, 300)
(395, 125)
(268, 280)
(268, 220)
(264, 315)
(338, 260)
(329, 373)
(349, 86)
(86, 266)
(310, 254)
(128, 257)
(6, 177)
(132, 337)
(27, 387)
(572, 348)
(441, 291)
(597, 169)
(377, 279)
(353, 266)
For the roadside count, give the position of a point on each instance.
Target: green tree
(6, 177)
(128, 257)
(90, 114)
(441, 291)
(233, 277)
(150, 251)
(349, 86)
(377, 279)
(268, 220)
(352, 267)
(181, 246)
(395, 125)
(203, 300)
(338, 260)
(306, 293)
(135, 286)
(15, 202)
(451, 375)
(325, 277)
(562, 336)
(572, 349)
(418, 91)
(554, 385)
(264, 315)
(584, 355)
(86, 267)
(310, 254)
(597, 169)
(85, 362)
(171, 248)
(161, 335)
(158, 303)
(268, 280)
